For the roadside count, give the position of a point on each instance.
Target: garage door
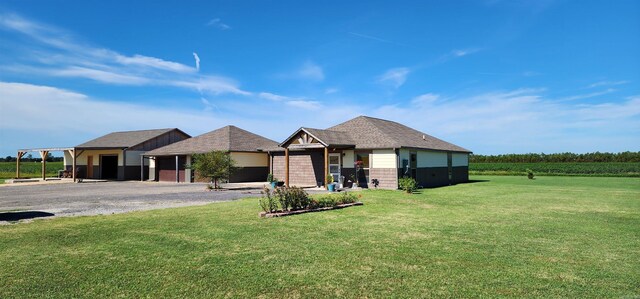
(166, 167)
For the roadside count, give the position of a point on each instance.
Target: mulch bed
(297, 212)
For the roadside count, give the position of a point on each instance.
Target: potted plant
(354, 183)
(272, 180)
(330, 186)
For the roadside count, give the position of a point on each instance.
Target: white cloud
(291, 101)
(607, 83)
(272, 97)
(63, 56)
(463, 52)
(99, 75)
(331, 90)
(588, 95)
(217, 23)
(308, 105)
(311, 71)
(197, 59)
(425, 99)
(522, 120)
(394, 77)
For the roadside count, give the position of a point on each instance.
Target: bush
(295, 198)
(530, 174)
(268, 202)
(408, 184)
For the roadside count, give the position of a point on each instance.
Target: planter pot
(331, 187)
(273, 184)
(280, 184)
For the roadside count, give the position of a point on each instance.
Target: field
(620, 169)
(28, 169)
(501, 236)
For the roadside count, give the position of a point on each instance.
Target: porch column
(73, 164)
(286, 167)
(18, 157)
(326, 167)
(43, 155)
(177, 171)
(141, 168)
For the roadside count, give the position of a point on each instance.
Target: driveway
(69, 199)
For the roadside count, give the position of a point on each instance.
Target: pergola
(43, 154)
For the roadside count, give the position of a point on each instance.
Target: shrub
(271, 179)
(346, 197)
(268, 202)
(292, 198)
(530, 174)
(408, 184)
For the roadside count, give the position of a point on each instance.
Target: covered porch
(313, 157)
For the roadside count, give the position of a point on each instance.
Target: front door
(334, 167)
(89, 167)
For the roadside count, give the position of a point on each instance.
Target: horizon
(495, 77)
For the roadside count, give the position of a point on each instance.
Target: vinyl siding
(431, 159)
(383, 159)
(460, 159)
(250, 159)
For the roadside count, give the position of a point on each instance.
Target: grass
(605, 169)
(574, 237)
(28, 169)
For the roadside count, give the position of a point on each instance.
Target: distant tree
(214, 165)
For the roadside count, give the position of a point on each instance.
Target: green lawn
(571, 237)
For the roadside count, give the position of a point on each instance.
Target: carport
(44, 152)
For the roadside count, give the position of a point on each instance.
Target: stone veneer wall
(388, 177)
(305, 168)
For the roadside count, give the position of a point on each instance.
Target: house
(248, 150)
(118, 155)
(368, 148)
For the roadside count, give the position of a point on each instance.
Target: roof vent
(424, 137)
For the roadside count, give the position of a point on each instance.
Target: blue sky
(492, 76)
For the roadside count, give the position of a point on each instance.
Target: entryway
(109, 167)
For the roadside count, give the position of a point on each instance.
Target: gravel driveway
(69, 199)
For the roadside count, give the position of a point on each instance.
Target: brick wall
(388, 177)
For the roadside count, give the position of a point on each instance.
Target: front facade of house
(365, 149)
(249, 151)
(118, 155)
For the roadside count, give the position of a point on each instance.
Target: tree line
(31, 158)
(558, 157)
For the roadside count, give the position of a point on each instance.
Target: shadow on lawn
(16, 216)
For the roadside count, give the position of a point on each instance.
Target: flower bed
(296, 212)
(290, 201)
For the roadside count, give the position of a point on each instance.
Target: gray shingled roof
(229, 138)
(365, 132)
(370, 133)
(123, 139)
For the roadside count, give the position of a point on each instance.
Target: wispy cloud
(298, 102)
(607, 83)
(425, 99)
(394, 77)
(522, 120)
(370, 37)
(311, 71)
(587, 96)
(331, 90)
(217, 23)
(197, 59)
(458, 53)
(58, 54)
